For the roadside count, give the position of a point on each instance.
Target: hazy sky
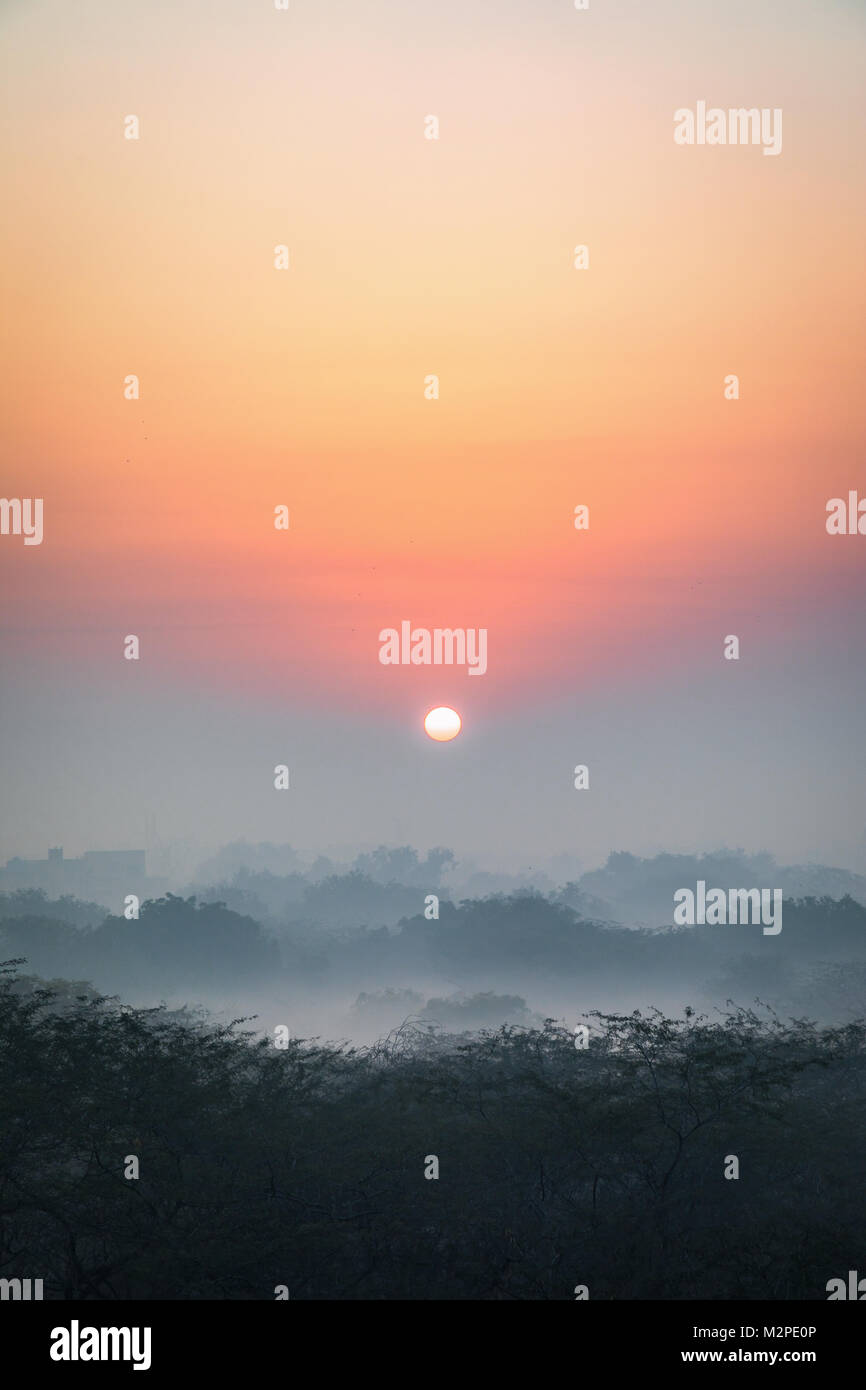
(558, 387)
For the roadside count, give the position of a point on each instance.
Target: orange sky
(411, 257)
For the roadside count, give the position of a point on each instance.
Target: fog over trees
(355, 1081)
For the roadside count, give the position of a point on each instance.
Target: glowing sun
(442, 723)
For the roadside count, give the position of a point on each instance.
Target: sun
(442, 723)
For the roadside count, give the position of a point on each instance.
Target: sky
(454, 257)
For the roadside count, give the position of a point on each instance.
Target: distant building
(100, 875)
